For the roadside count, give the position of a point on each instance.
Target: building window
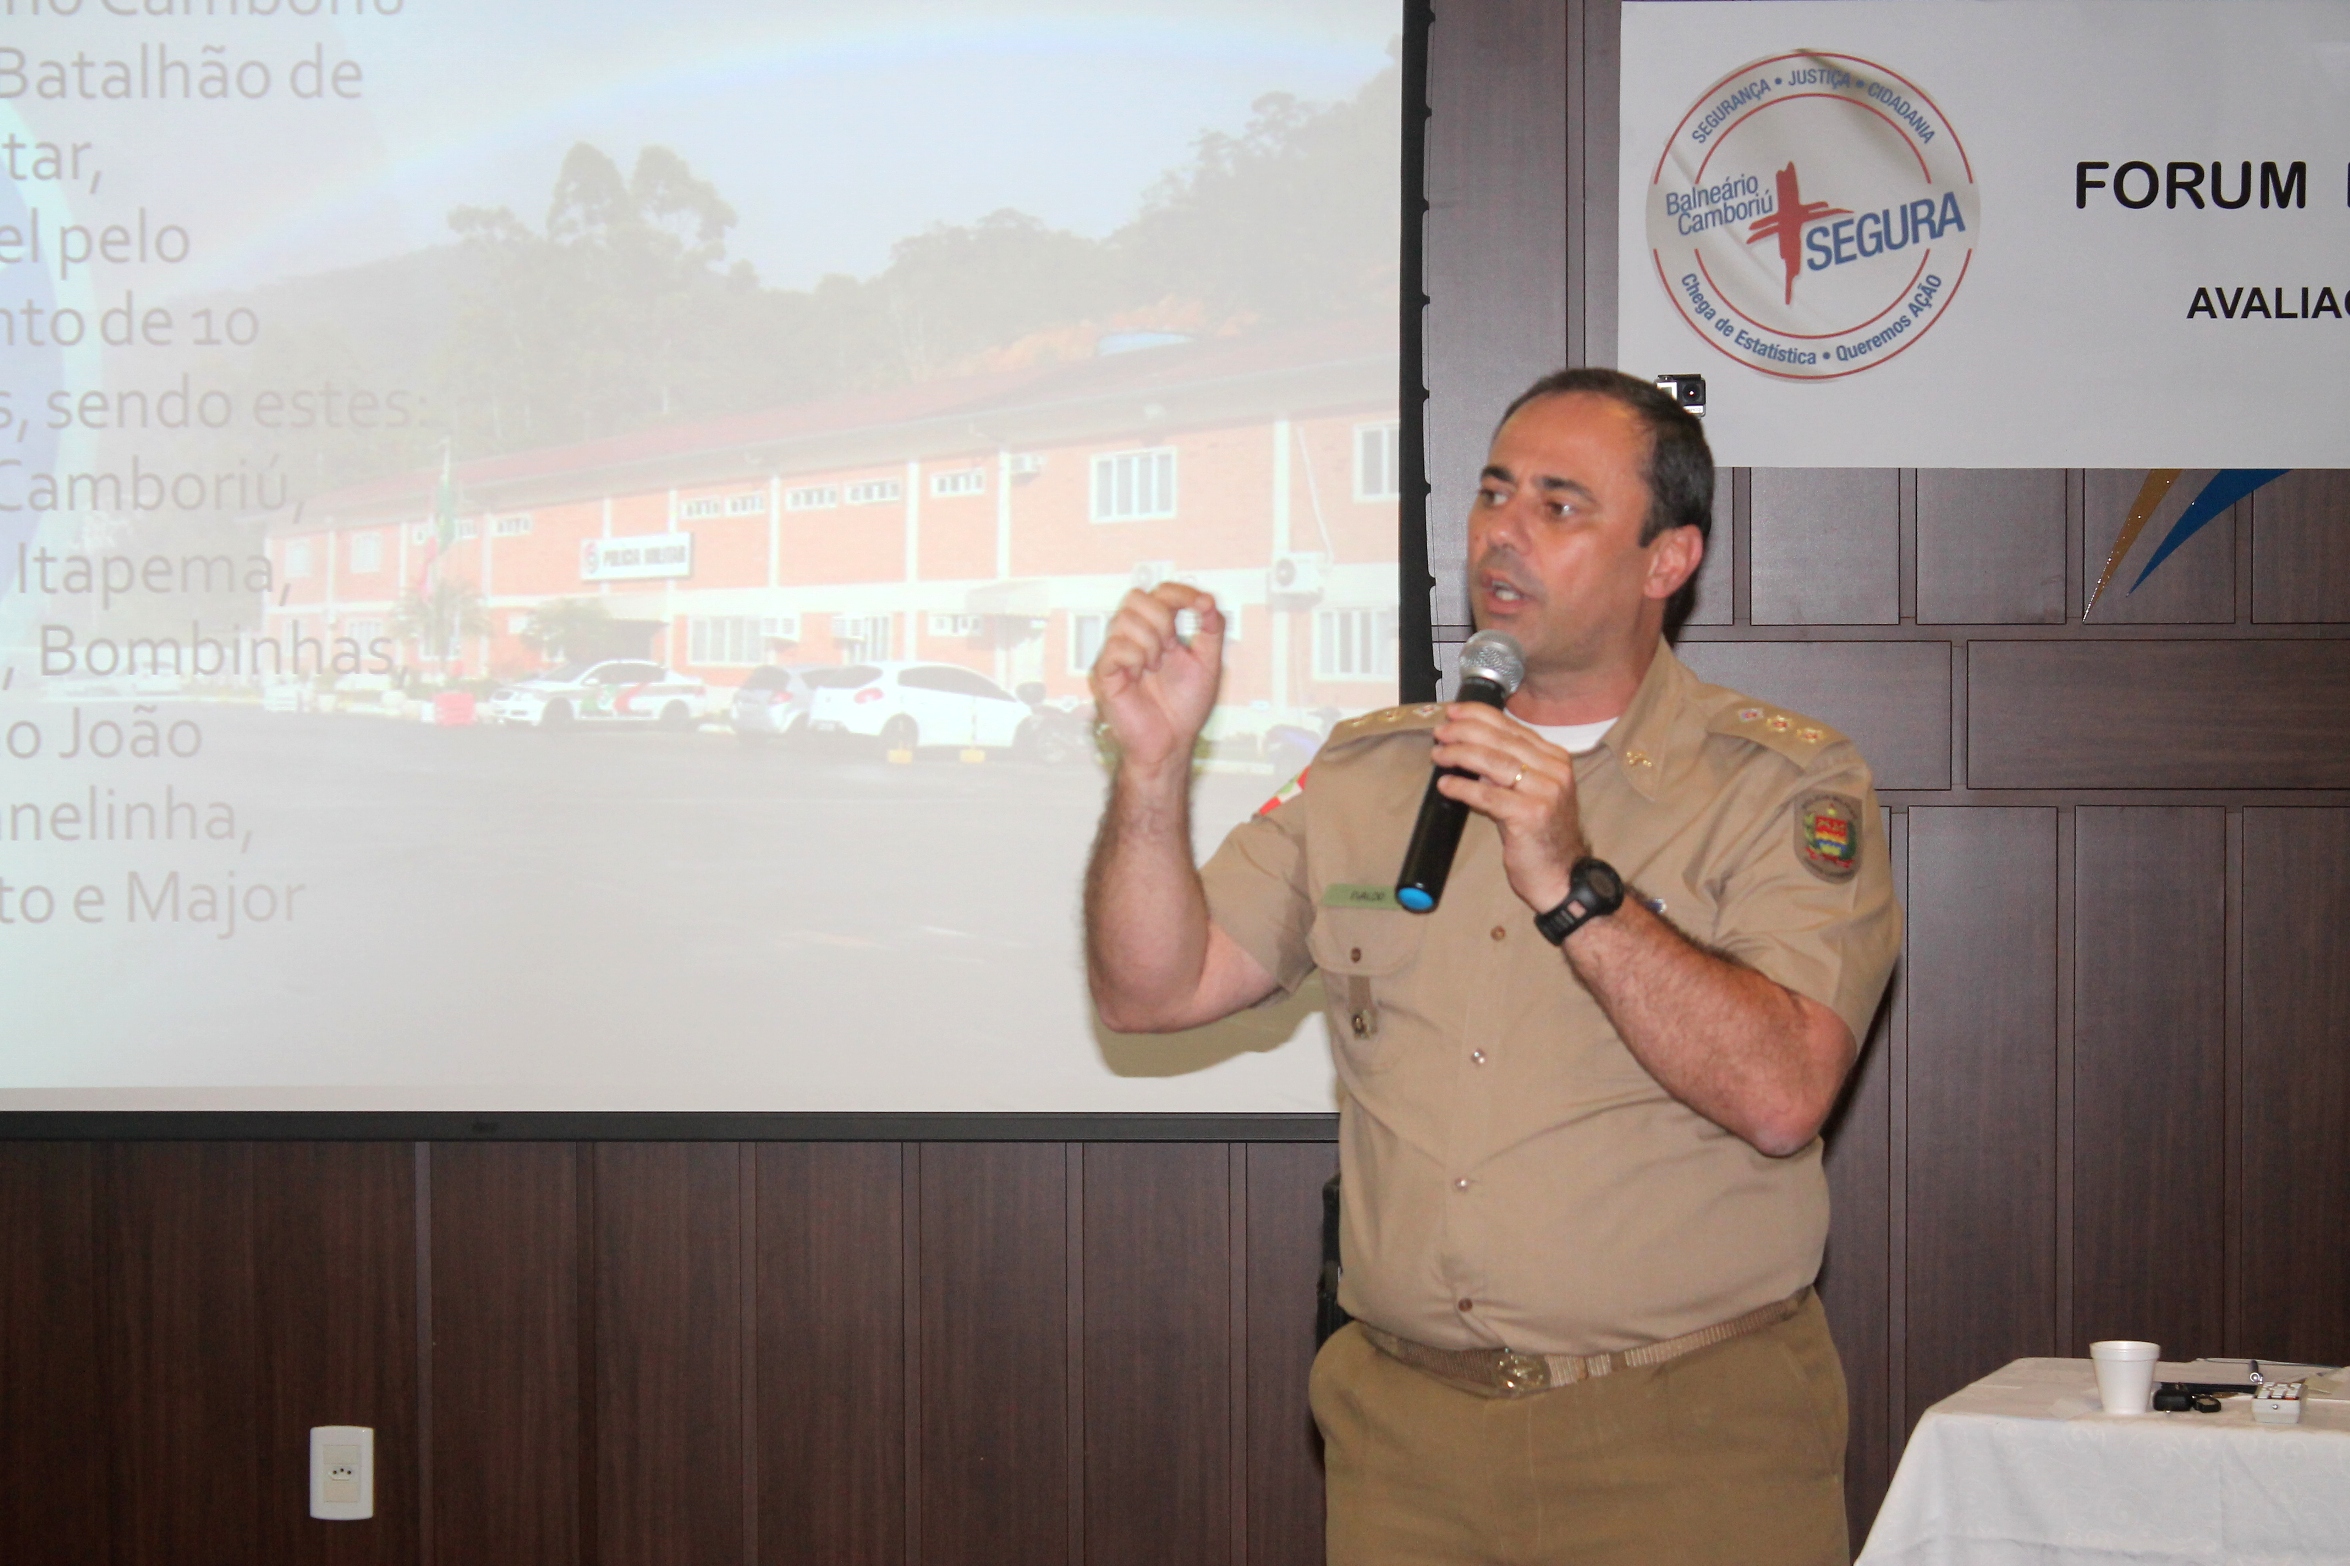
(783, 627)
(468, 528)
(298, 560)
(511, 527)
(815, 497)
(1378, 461)
(739, 640)
(964, 625)
(367, 553)
(364, 632)
(1130, 486)
(1085, 640)
(695, 510)
(964, 481)
(864, 637)
(1354, 644)
(750, 505)
(875, 492)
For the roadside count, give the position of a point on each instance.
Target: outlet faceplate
(342, 1472)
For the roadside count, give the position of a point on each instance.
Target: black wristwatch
(1594, 891)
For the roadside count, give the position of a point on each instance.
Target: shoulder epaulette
(1782, 729)
(1387, 720)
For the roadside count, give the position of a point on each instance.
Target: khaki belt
(1508, 1373)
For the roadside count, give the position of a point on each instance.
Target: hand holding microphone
(1497, 767)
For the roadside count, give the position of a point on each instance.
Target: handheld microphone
(1492, 667)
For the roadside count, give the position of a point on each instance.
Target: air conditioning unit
(780, 627)
(1296, 576)
(1026, 465)
(1150, 573)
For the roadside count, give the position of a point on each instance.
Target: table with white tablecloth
(2024, 1466)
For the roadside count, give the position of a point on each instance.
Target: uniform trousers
(1731, 1454)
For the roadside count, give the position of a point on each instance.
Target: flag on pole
(444, 518)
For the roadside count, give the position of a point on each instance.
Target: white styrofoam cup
(2125, 1374)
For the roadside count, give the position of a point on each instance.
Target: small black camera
(1687, 390)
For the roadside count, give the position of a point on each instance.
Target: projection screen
(548, 553)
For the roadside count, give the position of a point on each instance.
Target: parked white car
(909, 705)
(611, 690)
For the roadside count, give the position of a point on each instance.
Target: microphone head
(1496, 658)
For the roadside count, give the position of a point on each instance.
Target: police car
(610, 690)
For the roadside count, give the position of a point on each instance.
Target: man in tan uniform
(1583, 1196)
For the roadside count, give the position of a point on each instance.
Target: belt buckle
(1522, 1372)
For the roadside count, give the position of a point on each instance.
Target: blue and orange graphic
(2222, 490)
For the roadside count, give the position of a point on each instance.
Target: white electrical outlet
(342, 1472)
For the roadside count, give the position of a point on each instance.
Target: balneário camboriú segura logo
(1813, 215)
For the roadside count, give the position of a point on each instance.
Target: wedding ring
(1520, 778)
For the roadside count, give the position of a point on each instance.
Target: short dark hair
(1680, 467)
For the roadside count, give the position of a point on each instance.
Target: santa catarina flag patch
(1289, 791)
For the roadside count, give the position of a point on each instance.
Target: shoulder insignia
(1791, 734)
(1387, 720)
(1827, 835)
(1287, 792)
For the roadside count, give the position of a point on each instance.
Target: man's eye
(1492, 497)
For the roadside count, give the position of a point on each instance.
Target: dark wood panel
(1827, 546)
(2297, 1084)
(335, 1238)
(994, 1318)
(1991, 546)
(1856, 1277)
(2195, 586)
(2301, 547)
(669, 1427)
(1594, 88)
(1892, 698)
(53, 1504)
(1980, 1186)
(507, 1417)
(1284, 1454)
(2200, 714)
(182, 1351)
(1495, 256)
(2149, 1077)
(831, 1353)
(1711, 603)
(1158, 1354)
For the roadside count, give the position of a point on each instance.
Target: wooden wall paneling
(1980, 1183)
(1713, 603)
(1495, 245)
(182, 1351)
(2301, 547)
(2149, 1078)
(1856, 1278)
(335, 1247)
(506, 1396)
(2195, 586)
(2168, 714)
(1891, 698)
(1284, 1254)
(1990, 546)
(1158, 1353)
(669, 1353)
(1594, 74)
(993, 1304)
(1827, 546)
(831, 1353)
(53, 1461)
(2296, 1127)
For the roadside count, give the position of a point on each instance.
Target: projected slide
(549, 553)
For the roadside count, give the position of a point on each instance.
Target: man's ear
(1672, 560)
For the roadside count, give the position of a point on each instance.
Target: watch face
(1605, 883)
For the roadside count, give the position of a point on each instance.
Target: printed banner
(1995, 234)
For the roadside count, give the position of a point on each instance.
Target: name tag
(1340, 895)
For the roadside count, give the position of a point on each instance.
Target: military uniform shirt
(1513, 1176)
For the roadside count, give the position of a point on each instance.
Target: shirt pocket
(1364, 955)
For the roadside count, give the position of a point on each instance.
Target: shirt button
(1355, 955)
(1465, 1304)
(1460, 1185)
(1499, 932)
(1476, 1057)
